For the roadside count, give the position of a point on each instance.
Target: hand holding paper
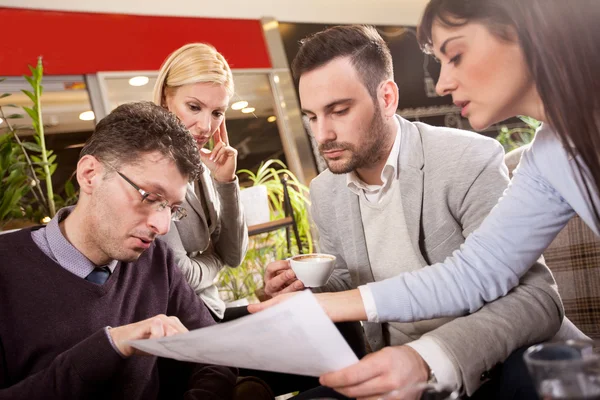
(295, 336)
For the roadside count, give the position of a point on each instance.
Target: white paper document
(295, 337)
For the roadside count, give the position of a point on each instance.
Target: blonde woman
(195, 83)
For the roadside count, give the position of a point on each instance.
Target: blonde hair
(192, 63)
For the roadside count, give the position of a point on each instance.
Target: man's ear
(388, 96)
(89, 173)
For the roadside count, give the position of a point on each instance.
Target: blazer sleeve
(528, 314)
(199, 270)
(230, 240)
(493, 258)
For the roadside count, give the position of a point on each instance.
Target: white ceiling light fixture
(248, 110)
(238, 105)
(138, 81)
(87, 116)
(272, 118)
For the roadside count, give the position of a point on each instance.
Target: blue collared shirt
(52, 242)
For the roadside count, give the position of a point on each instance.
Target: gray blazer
(449, 182)
(210, 237)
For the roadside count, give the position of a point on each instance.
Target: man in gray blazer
(397, 195)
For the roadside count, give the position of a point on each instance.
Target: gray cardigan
(449, 182)
(201, 248)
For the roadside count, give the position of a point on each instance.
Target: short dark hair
(368, 53)
(133, 129)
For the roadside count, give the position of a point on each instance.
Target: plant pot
(237, 303)
(256, 205)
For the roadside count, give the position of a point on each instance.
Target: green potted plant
(514, 138)
(27, 166)
(14, 181)
(269, 246)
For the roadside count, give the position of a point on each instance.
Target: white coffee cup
(314, 269)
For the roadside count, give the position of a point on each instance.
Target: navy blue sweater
(52, 341)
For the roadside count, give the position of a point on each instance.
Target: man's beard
(103, 231)
(367, 154)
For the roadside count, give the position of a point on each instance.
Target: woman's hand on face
(222, 160)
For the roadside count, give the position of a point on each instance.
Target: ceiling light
(1, 120)
(238, 105)
(272, 118)
(270, 25)
(75, 146)
(248, 110)
(138, 81)
(87, 116)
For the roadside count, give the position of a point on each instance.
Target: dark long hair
(561, 43)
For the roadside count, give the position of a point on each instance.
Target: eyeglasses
(155, 200)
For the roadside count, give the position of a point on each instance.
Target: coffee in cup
(313, 270)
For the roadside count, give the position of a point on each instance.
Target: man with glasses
(97, 265)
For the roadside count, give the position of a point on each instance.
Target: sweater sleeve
(490, 262)
(75, 373)
(207, 381)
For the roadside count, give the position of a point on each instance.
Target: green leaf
(14, 116)
(30, 95)
(40, 67)
(32, 147)
(11, 105)
(31, 113)
(30, 80)
(53, 168)
(69, 189)
(17, 165)
(51, 159)
(532, 122)
(3, 95)
(34, 72)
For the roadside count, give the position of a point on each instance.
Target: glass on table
(564, 370)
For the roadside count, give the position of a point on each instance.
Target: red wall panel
(81, 43)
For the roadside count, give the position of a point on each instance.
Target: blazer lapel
(192, 199)
(411, 181)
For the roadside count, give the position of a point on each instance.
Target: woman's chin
(479, 124)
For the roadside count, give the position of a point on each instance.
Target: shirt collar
(65, 253)
(391, 169)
